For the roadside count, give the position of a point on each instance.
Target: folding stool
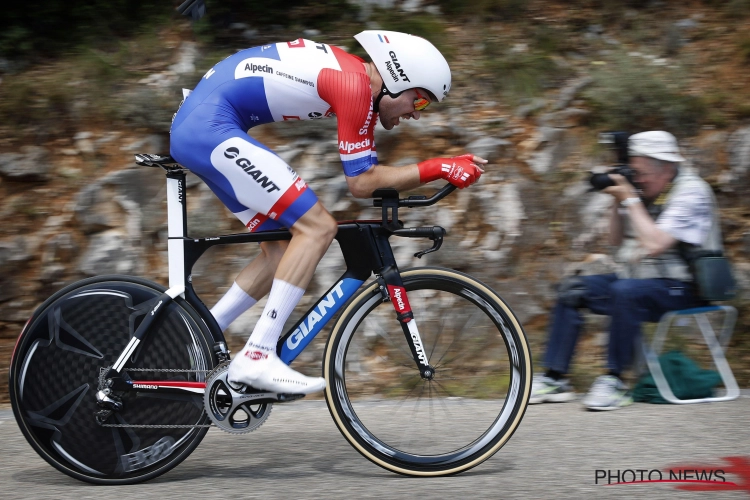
(716, 347)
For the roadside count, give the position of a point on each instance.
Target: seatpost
(176, 227)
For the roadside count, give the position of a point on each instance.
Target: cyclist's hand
(461, 171)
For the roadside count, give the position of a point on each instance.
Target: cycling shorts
(257, 186)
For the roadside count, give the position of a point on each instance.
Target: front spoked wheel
(55, 372)
(429, 427)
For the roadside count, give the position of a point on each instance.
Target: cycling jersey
(297, 80)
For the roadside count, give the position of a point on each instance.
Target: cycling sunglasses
(421, 102)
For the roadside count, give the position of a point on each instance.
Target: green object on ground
(686, 379)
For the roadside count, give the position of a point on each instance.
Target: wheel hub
(428, 373)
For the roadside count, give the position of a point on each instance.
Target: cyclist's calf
(273, 251)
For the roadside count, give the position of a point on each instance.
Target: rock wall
(79, 207)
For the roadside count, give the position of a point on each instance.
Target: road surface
(559, 451)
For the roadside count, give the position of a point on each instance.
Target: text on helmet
(393, 67)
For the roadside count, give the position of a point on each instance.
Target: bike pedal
(241, 388)
(288, 398)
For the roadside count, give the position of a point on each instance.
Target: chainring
(231, 410)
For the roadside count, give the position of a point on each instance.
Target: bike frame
(365, 248)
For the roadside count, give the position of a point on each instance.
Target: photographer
(655, 221)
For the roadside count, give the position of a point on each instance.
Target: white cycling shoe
(264, 370)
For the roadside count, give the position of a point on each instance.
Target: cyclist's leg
(256, 278)
(312, 230)
(264, 192)
(252, 283)
(257, 363)
(311, 236)
(253, 183)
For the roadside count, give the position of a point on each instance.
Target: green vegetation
(318, 14)
(485, 9)
(743, 110)
(422, 24)
(525, 70)
(40, 28)
(520, 75)
(86, 86)
(628, 94)
(110, 46)
(744, 46)
(49, 27)
(737, 9)
(274, 15)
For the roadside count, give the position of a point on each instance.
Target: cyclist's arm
(411, 176)
(382, 176)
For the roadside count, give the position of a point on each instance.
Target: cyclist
(302, 80)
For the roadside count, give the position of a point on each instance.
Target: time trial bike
(116, 379)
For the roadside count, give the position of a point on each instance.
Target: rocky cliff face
(78, 206)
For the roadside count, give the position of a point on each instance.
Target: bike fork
(393, 289)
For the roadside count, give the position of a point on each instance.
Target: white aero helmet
(406, 62)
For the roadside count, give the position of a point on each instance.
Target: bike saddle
(148, 160)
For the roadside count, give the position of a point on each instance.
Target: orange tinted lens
(420, 104)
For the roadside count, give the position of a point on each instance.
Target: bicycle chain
(156, 426)
(173, 370)
(102, 373)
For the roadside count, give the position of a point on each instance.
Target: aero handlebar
(391, 195)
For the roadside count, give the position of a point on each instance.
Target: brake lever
(436, 244)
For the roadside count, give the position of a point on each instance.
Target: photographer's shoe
(607, 393)
(264, 370)
(548, 390)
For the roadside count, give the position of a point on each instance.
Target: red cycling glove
(460, 171)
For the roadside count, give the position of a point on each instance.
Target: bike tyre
(344, 409)
(85, 327)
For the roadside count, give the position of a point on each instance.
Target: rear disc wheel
(75, 335)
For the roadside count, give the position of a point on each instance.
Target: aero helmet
(406, 62)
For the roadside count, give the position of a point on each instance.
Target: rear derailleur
(106, 399)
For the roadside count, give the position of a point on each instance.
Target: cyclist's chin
(388, 124)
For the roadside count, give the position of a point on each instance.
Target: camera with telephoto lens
(618, 142)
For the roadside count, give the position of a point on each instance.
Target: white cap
(655, 144)
(407, 62)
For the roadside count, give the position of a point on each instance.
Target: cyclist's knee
(330, 229)
(325, 228)
(318, 224)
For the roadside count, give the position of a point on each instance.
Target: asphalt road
(298, 453)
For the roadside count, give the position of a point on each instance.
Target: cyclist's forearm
(383, 176)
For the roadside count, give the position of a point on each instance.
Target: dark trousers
(628, 302)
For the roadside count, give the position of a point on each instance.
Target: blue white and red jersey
(287, 81)
(297, 80)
